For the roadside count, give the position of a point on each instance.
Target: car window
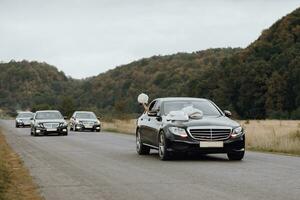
(206, 107)
(48, 115)
(24, 115)
(156, 106)
(85, 116)
(151, 106)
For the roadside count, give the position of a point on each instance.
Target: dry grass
(15, 181)
(123, 126)
(282, 136)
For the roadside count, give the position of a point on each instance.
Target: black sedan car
(48, 122)
(176, 124)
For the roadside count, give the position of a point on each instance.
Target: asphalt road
(105, 166)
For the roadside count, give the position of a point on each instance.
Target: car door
(146, 124)
(154, 123)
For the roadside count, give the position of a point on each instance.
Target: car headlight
(237, 132)
(178, 131)
(97, 123)
(19, 120)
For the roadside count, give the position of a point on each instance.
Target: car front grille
(51, 125)
(211, 134)
(88, 124)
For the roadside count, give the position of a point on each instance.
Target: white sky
(85, 38)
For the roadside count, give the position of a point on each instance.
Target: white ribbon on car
(185, 114)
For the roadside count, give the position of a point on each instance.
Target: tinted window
(151, 106)
(48, 115)
(25, 115)
(85, 116)
(206, 107)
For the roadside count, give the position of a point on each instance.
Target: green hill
(260, 81)
(32, 85)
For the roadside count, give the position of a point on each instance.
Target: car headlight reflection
(178, 131)
(237, 132)
(63, 124)
(40, 125)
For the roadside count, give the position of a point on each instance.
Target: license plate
(51, 129)
(211, 144)
(88, 126)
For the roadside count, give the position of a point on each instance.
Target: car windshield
(48, 115)
(24, 115)
(206, 107)
(85, 116)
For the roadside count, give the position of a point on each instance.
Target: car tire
(65, 134)
(17, 126)
(236, 155)
(141, 149)
(163, 153)
(98, 130)
(34, 133)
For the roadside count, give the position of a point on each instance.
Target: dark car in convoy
(177, 124)
(23, 119)
(48, 122)
(85, 120)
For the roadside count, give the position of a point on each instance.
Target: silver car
(85, 120)
(23, 119)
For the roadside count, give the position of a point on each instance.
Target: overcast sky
(85, 38)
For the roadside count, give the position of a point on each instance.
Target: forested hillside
(260, 81)
(33, 85)
(158, 76)
(263, 80)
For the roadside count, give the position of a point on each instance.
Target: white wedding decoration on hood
(185, 114)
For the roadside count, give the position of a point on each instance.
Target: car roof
(47, 111)
(83, 112)
(180, 99)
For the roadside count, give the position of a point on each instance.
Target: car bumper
(82, 127)
(59, 130)
(23, 124)
(229, 145)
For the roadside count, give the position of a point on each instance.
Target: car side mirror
(31, 118)
(227, 113)
(99, 118)
(65, 117)
(159, 118)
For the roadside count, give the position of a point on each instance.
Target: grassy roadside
(15, 181)
(276, 136)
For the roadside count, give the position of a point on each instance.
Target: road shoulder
(15, 180)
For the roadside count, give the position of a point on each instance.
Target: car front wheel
(140, 147)
(163, 153)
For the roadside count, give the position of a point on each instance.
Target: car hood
(208, 121)
(50, 121)
(23, 118)
(87, 120)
